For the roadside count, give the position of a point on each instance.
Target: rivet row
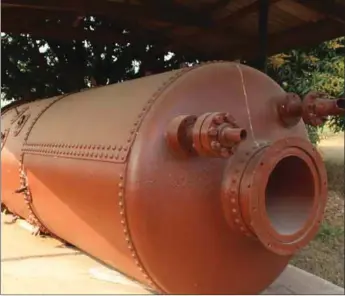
(128, 239)
(32, 218)
(124, 149)
(233, 196)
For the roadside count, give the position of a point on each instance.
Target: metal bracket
(4, 136)
(20, 124)
(19, 114)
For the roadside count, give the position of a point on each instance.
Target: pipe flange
(177, 135)
(231, 189)
(210, 135)
(207, 131)
(310, 115)
(287, 238)
(289, 109)
(249, 196)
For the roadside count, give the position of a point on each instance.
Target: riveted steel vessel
(187, 181)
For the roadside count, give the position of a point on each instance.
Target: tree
(38, 68)
(320, 69)
(42, 68)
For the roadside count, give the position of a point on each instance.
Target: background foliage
(320, 68)
(34, 68)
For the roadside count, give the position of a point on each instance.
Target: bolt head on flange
(213, 135)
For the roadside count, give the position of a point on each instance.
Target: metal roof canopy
(215, 29)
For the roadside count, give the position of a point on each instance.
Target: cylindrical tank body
(95, 168)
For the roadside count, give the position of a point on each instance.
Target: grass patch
(335, 175)
(328, 232)
(324, 256)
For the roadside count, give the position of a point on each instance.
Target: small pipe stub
(210, 135)
(314, 109)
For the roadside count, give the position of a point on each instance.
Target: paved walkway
(34, 265)
(332, 148)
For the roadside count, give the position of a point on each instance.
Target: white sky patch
(43, 48)
(168, 56)
(136, 65)
(4, 103)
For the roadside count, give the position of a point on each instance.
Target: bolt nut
(218, 119)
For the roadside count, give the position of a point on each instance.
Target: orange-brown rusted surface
(314, 109)
(188, 181)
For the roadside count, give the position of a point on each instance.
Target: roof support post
(263, 34)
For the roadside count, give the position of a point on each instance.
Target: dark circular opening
(243, 134)
(289, 195)
(341, 103)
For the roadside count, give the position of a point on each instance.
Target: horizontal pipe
(326, 107)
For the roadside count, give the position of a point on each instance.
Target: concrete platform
(34, 265)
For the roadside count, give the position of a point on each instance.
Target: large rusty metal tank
(199, 180)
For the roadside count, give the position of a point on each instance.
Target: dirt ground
(324, 256)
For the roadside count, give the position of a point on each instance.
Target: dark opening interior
(243, 134)
(289, 195)
(341, 103)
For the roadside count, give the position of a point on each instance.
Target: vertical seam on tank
(121, 194)
(28, 199)
(40, 114)
(126, 231)
(246, 103)
(24, 179)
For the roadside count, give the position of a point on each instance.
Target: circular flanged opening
(289, 195)
(281, 196)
